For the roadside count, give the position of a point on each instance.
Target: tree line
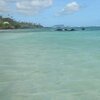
(10, 23)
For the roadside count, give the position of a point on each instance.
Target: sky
(53, 12)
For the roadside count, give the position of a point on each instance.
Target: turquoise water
(49, 65)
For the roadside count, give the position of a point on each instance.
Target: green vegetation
(9, 23)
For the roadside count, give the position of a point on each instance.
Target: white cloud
(5, 6)
(24, 6)
(2, 6)
(70, 8)
(32, 6)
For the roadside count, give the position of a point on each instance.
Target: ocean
(49, 65)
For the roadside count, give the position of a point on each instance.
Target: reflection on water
(50, 65)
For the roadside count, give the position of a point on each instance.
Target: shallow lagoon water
(49, 65)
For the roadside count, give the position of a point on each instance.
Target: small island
(10, 23)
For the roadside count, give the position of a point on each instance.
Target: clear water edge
(50, 65)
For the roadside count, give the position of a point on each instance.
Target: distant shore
(10, 23)
(7, 23)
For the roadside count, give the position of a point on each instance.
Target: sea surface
(49, 65)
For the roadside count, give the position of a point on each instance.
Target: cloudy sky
(53, 12)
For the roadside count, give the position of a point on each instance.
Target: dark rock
(59, 29)
(65, 29)
(83, 28)
(72, 29)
